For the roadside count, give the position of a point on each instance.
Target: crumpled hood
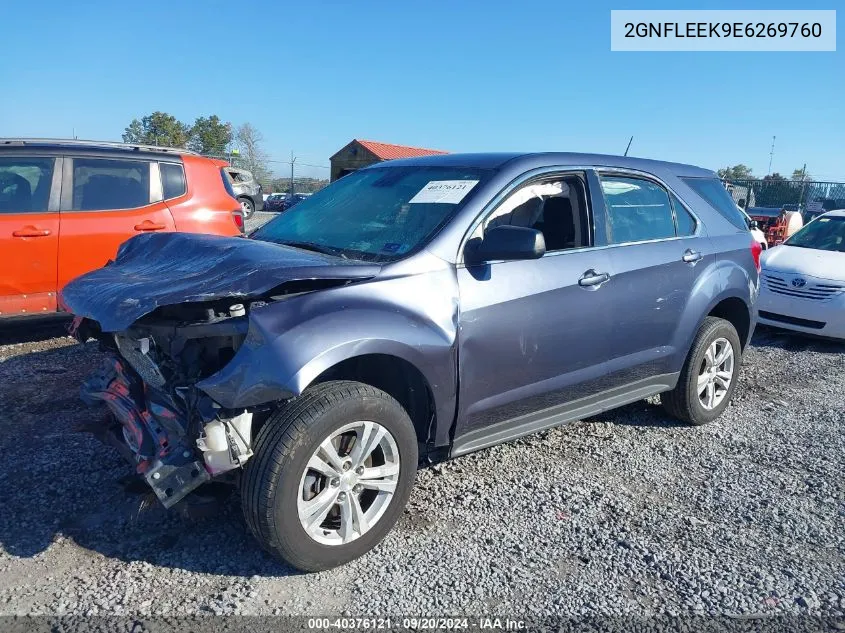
(159, 269)
(805, 261)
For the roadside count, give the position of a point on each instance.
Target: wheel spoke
(708, 356)
(323, 467)
(723, 379)
(314, 510)
(378, 472)
(352, 518)
(726, 353)
(329, 452)
(703, 381)
(367, 438)
(711, 395)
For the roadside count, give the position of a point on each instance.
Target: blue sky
(462, 76)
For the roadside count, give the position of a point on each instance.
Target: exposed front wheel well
(396, 377)
(736, 312)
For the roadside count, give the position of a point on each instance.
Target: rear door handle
(691, 256)
(146, 225)
(592, 278)
(31, 231)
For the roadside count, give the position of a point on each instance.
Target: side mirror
(754, 225)
(507, 243)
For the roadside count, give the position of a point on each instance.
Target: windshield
(378, 214)
(824, 233)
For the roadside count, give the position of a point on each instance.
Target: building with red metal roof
(359, 153)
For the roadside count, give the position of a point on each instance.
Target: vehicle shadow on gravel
(33, 329)
(57, 482)
(765, 336)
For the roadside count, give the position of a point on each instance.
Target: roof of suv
(534, 160)
(53, 144)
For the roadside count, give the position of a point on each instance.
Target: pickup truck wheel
(709, 376)
(331, 472)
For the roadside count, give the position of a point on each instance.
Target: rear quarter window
(172, 180)
(715, 194)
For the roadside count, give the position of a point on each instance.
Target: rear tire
(247, 206)
(713, 362)
(291, 473)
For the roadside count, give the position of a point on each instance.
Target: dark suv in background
(411, 312)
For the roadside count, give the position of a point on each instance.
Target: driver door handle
(31, 231)
(146, 225)
(691, 256)
(592, 278)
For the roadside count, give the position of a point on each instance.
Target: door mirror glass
(506, 242)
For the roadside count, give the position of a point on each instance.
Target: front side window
(556, 207)
(637, 210)
(823, 233)
(172, 180)
(380, 214)
(25, 184)
(101, 184)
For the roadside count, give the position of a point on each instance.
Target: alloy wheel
(348, 483)
(716, 373)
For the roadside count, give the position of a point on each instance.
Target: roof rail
(83, 143)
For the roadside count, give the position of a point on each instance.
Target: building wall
(350, 158)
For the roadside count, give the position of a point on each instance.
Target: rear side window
(717, 197)
(637, 210)
(172, 180)
(25, 184)
(227, 183)
(103, 184)
(684, 221)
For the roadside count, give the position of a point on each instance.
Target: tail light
(238, 219)
(756, 251)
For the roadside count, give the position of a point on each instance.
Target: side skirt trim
(561, 414)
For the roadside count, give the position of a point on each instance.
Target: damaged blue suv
(412, 312)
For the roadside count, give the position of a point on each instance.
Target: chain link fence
(809, 197)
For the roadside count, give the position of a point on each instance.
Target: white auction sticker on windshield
(444, 191)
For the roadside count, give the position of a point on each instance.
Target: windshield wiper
(317, 248)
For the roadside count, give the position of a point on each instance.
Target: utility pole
(292, 161)
(629, 146)
(771, 156)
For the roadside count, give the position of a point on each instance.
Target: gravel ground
(258, 218)
(622, 514)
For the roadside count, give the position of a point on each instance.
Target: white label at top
(444, 191)
(723, 30)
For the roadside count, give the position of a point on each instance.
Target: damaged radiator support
(156, 433)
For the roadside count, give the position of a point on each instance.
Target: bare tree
(252, 155)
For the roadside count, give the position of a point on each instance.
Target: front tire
(331, 472)
(709, 376)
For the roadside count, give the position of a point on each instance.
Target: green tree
(158, 128)
(210, 136)
(776, 177)
(800, 175)
(737, 172)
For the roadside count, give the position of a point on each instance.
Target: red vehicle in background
(66, 206)
(776, 223)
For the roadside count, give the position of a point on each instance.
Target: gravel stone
(624, 514)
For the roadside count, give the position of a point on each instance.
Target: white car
(755, 229)
(802, 283)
